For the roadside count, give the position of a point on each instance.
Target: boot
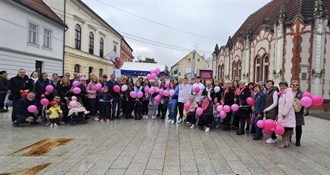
(284, 143)
(241, 128)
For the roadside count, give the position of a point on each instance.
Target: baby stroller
(74, 118)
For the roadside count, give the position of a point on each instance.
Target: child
(216, 113)
(54, 113)
(105, 100)
(191, 114)
(76, 107)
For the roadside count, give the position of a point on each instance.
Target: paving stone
(155, 164)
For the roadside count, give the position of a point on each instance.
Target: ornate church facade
(283, 40)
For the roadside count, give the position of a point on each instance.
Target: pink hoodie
(285, 108)
(90, 90)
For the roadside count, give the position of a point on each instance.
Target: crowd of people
(107, 104)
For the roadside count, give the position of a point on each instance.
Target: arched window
(239, 74)
(257, 69)
(222, 72)
(115, 48)
(91, 43)
(234, 70)
(100, 73)
(77, 68)
(90, 70)
(78, 37)
(101, 47)
(219, 72)
(265, 68)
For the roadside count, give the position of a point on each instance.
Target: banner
(116, 72)
(114, 58)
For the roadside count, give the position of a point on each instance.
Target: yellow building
(89, 39)
(182, 69)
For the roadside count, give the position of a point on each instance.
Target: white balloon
(171, 92)
(216, 89)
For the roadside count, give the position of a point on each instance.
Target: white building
(31, 37)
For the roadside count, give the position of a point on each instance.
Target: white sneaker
(153, 117)
(55, 125)
(192, 126)
(169, 121)
(48, 124)
(172, 121)
(146, 116)
(96, 119)
(179, 121)
(207, 129)
(51, 125)
(271, 141)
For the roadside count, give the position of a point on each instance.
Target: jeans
(171, 109)
(154, 108)
(13, 115)
(258, 130)
(180, 107)
(116, 102)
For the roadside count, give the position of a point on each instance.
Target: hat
(53, 103)
(24, 94)
(2, 72)
(104, 76)
(83, 79)
(227, 82)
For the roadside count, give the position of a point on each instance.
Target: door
(39, 67)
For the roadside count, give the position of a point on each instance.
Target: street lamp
(193, 64)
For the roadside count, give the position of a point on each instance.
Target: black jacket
(244, 111)
(113, 93)
(40, 88)
(106, 96)
(16, 84)
(63, 91)
(212, 93)
(23, 104)
(229, 97)
(4, 83)
(208, 113)
(83, 93)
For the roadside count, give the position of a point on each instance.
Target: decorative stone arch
(76, 68)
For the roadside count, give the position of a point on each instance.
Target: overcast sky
(215, 19)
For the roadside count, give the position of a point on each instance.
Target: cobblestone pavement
(155, 147)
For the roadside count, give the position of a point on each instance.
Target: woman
(212, 82)
(235, 120)
(242, 93)
(83, 94)
(138, 101)
(64, 89)
(162, 107)
(55, 79)
(228, 99)
(286, 114)
(259, 106)
(299, 115)
(248, 120)
(206, 117)
(172, 102)
(146, 99)
(40, 87)
(191, 113)
(209, 91)
(128, 101)
(154, 107)
(34, 77)
(271, 111)
(91, 94)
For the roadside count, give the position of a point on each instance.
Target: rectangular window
(265, 73)
(47, 38)
(33, 33)
(257, 73)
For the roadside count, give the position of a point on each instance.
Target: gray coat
(300, 120)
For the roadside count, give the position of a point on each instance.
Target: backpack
(296, 105)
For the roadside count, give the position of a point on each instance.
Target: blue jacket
(174, 96)
(259, 104)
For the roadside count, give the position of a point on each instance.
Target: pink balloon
(153, 76)
(197, 89)
(152, 90)
(269, 124)
(226, 108)
(219, 108)
(307, 94)
(186, 106)
(210, 98)
(250, 101)
(76, 90)
(133, 94)
(101, 90)
(116, 88)
(157, 71)
(317, 100)
(124, 88)
(49, 88)
(167, 85)
(234, 107)
(47, 93)
(222, 114)
(216, 105)
(146, 89)
(156, 103)
(158, 98)
(306, 102)
(98, 86)
(166, 93)
(171, 92)
(267, 131)
(139, 95)
(152, 71)
(279, 129)
(75, 84)
(32, 108)
(44, 102)
(149, 76)
(199, 111)
(161, 91)
(260, 123)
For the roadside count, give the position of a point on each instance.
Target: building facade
(182, 69)
(89, 40)
(31, 37)
(284, 40)
(126, 53)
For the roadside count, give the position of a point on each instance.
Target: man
(21, 109)
(161, 79)
(76, 77)
(111, 82)
(57, 99)
(184, 94)
(4, 82)
(19, 85)
(117, 100)
(199, 94)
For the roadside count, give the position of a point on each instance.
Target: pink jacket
(285, 108)
(91, 91)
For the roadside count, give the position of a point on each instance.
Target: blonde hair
(241, 82)
(208, 82)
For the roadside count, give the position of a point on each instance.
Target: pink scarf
(239, 91)
(205, 105)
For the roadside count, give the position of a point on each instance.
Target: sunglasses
(294, 85)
